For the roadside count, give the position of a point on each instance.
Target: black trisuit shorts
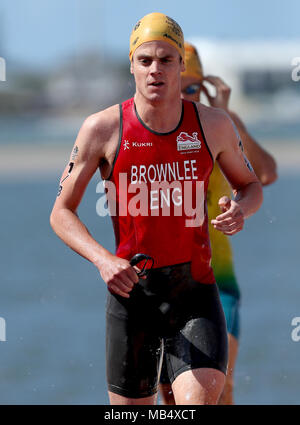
(169, 313)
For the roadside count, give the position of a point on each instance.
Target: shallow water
(53, 301)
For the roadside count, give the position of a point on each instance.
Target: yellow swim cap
(157, 27)
(193, 66)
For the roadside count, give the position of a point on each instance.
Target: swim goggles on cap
(192, 89)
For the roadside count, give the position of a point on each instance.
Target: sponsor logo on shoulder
(127, 144)
(185, 142)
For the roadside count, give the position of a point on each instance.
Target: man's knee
(166, 394)
(198, 386)
(227, 393)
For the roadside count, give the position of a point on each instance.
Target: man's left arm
(245, 184)
(262, 161)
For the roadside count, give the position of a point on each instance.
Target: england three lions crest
(186, 142)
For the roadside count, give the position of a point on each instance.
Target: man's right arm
(224, 145)
(93, 144)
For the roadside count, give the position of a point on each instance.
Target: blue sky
(42, 33)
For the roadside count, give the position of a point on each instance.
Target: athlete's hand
(119, 275)
(221, 99)
(231, 220)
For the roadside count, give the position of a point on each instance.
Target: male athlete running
(164, 146)
(265, 168)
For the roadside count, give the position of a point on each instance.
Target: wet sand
(46, 161)
(29, 161)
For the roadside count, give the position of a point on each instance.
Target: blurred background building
(88, 76)
(259, 73)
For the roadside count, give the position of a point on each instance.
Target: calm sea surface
(41, 130)
(53, 301)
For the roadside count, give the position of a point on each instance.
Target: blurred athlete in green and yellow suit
(222, 261)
